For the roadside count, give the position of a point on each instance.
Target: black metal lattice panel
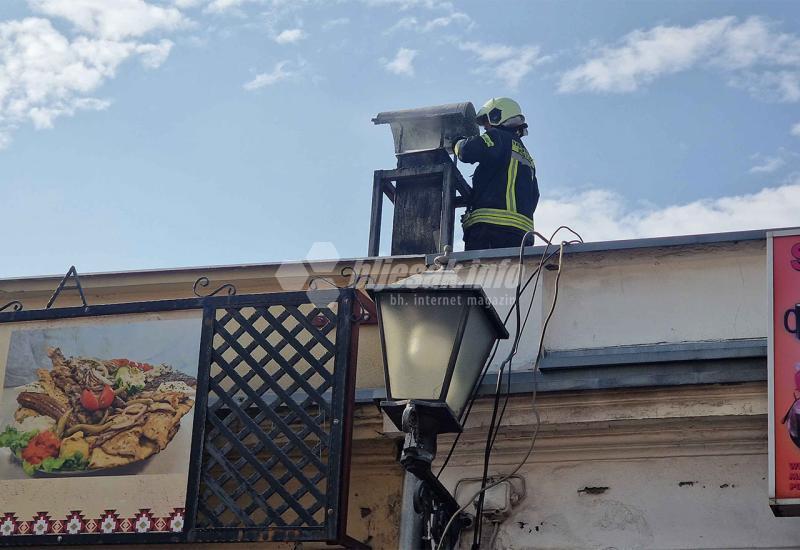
(274, 441)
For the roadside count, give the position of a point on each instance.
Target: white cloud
(604, 215)
(413, 23)
(185, 4)
(403, 62)
(770, 85)
(112, 19)
(278, 74)
(489, 53)
(766, 165)
(290, 36)
(795, 131)
(409, 4)
(759, 58)
(228, 6)
(220, 6)
(45, 75)
(154, 55)
(43, 116)
(505, 63)
(335, 23)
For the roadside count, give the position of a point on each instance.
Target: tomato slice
(89, 400)
(106, 397)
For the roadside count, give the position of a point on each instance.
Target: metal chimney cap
(429, 128)
(464, 110)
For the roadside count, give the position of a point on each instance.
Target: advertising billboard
(96, 420)
(783, 267)
(216, 418)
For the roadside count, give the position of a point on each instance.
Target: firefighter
(504, 187)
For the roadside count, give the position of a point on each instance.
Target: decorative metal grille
(272, 460)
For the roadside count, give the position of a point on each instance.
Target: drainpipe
(410, 521)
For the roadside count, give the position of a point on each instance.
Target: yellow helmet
(501, 111)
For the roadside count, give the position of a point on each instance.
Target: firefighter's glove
(458, 143)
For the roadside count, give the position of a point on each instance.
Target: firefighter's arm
(479, 148)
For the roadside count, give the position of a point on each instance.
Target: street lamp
(436, 334)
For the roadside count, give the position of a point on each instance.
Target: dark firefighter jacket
(504, 187)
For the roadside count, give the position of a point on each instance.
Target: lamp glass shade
(476, 342)
(435, 342)
(419, 333)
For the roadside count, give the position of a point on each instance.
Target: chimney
(426, 187)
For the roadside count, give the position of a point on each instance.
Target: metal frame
(452, 182)
(342, 402)
(770, 374)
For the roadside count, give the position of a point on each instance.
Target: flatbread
(52, 389)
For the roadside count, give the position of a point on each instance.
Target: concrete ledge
(736, 361)
(606, 246)
(654, 353)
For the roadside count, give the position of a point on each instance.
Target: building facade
(652, 394)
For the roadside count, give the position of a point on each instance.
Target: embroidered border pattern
(76, 523)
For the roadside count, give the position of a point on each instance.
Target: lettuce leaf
(57, 464)
(14, 439)
(28, 468)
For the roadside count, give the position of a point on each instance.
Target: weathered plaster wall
(637, 469)
(657, 503)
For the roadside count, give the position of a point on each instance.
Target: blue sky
(145, 134)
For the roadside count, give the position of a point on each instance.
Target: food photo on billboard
(96, 417)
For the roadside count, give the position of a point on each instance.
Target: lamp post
(436, 334)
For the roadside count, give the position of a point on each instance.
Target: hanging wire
(485, 487)
(506, 366)
(484, 372)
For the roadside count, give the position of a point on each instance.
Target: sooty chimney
(426, 187)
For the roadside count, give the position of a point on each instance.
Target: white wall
(646, 296)
(653, 296)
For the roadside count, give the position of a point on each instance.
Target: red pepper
(91, 402)
(41, 446)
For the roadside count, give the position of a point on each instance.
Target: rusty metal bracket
(14, 305)
(204, 282)
(364, 310)
(72, 272)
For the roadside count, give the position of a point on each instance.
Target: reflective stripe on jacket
(504, 187)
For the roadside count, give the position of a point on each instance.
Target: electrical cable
(482, 377)
(507, 363)
(495, 532)
(534, 407)
(496, 420)
(519, 289)
(525, 321)
(533, 401)
(484, 372)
